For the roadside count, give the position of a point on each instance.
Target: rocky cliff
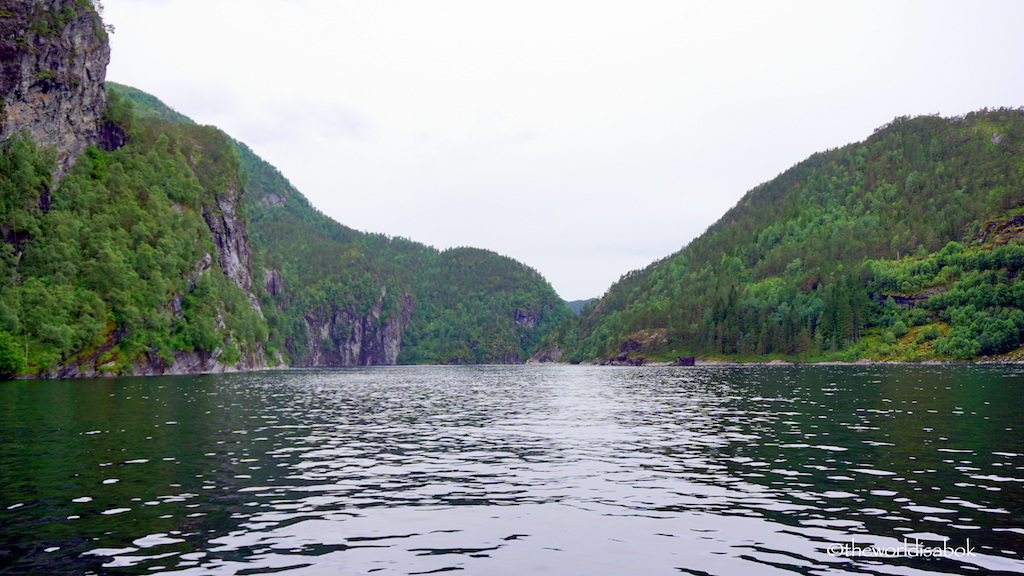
(229, 230)
(231, 235)
(53, 61)
(213, 290)
(160, 306)
(349, 339)
(337, 334)
(215, 166)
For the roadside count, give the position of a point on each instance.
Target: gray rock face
(526, 320)
(271, 200)
(345, 339)
(53, 62)
(273, 282)
(553, 354)
(199, 362)
(231, 236)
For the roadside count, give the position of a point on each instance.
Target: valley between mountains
(135, 242)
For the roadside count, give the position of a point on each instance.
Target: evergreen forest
(906, 246)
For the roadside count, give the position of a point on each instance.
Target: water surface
(515, 470)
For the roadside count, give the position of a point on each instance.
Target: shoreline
(698, 363)
(862, 362)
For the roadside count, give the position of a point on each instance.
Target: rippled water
(567, 470)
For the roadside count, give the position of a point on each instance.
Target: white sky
(583, 138)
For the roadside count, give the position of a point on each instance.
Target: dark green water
(517, 470)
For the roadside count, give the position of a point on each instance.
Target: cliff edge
(53, 62)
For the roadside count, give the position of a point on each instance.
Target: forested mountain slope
(332, 295)
(133, 241)
(904, 246)
(136, 262)
(114, 258)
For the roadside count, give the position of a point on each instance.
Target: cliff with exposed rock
(345, 338)
(53, 61)
(118, 255)
(135, 242)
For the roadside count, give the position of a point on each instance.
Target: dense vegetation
(479, 308)
(907, 246)
(464, 305)
(107, 269)
(115, 270)
(867, 250)
(461, 305)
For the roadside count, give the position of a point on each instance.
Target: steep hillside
(477, 307)
(882, 249)
(137, 262)
(115, 256)
(133, 241)
(454, 306)
(336, 296)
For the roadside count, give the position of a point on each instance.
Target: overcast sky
(585, 139)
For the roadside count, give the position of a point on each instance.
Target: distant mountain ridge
(577, 305)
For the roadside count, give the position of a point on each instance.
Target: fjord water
(516, 470)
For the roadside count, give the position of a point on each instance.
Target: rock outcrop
(231, 236)
(183, 363)
(348, 339)
(636, 348)
(552, 354)
(273, 282)
(1001, 231)
(907, 301)
(200, 362)
(53, 62)
(526, 320)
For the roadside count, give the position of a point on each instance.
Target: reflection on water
(515, 470)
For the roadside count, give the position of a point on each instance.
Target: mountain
(133, 241)
(462, 305)
(577, 305)
(906, 246)
(136, 261)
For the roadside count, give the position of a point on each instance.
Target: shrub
(11, 359)
(928, 333)
(958, 347)
(899, 329)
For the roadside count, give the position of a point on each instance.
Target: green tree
(11, 356)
